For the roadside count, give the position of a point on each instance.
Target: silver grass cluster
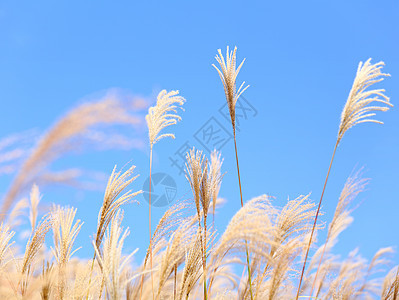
(65, 232)
(205, 179)
(163, 114)
(83, 284)
(353, 278)
(358, 108)
(64, 235)
(111, 260)
(228, 74)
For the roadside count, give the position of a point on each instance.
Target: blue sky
(301, 58)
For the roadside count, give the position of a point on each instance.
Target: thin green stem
(242, 205)
(315, 220)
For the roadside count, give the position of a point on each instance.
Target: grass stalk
(242, 205)
(175, 283)
(315, 221)
(149, 223)
(204, 259)
(91, 274)
(318, 266)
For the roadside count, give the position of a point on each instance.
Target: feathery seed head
(195, 168)
(65, 233)
(205, 179)
(228, 74)
(163, 114)
(111, 260)
(357, 108)
(117, 182)
(36, 242)
(354, 185)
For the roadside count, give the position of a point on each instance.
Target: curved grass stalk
(359, 108)
(228, 74)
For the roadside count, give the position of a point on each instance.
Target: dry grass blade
(163, 114)
(228, 74)
(357, 108)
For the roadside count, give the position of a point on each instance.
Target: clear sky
(301, 58)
